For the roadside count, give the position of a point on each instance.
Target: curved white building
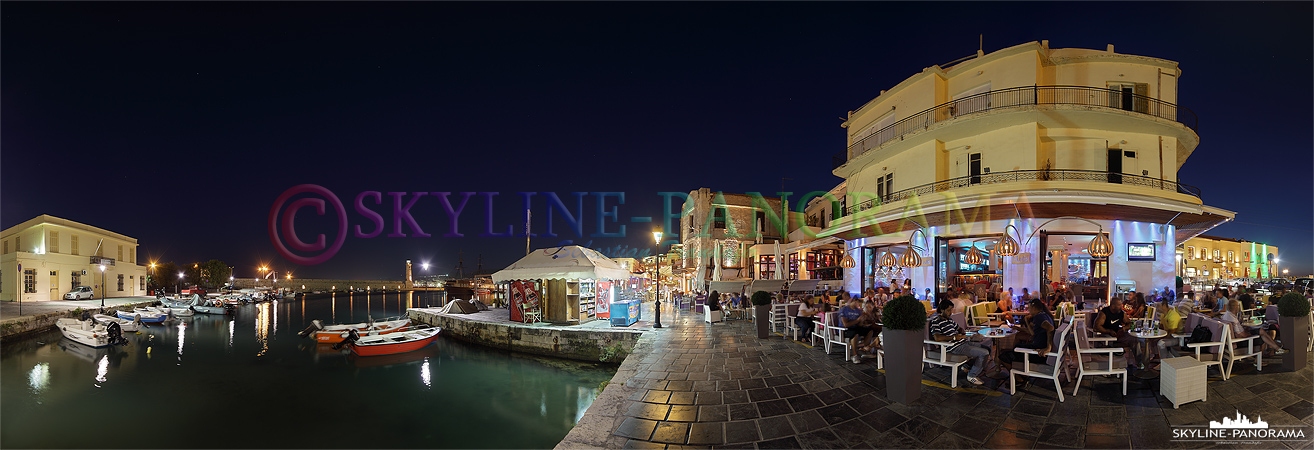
(1023, 136)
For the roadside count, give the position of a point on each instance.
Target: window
(132, 254)
(1190, 253)
(76, 280)
(120, 282)
(142, 282)
(6, 248)
(17, 246)
(120, 258)
(1218, 254)
(29, 281)
(974, 167)
(793, 266)
(718, 217)
(1231, 256)
(971, 100)
(74, 244)
(885, 186)
(766, 267)
(1129, 96)
(52, 245)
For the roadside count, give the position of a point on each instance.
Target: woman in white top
(1232, 317)
(806, 311)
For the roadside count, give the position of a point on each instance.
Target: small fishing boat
(145, 315)
(332, 334)
(125, 324)
(90, 333)
(401, 341)
(181, 312)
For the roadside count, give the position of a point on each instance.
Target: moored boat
(145, 315)
(402, 341)
(332, 334)
(124, 324)
(90, 333)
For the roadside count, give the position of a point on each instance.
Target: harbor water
(249, 381)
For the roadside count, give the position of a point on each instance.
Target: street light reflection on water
(488, 388)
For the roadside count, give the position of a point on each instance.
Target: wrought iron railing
(1018, 96)
(1024, 175)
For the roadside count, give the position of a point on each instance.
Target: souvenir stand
(561, 283)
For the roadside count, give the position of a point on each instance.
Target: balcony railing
(1018, 96)
(1025, 175)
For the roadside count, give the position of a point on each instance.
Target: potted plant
(904, 329)
(761, 305)
(1293, 324)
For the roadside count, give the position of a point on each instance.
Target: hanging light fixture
(888, 260)
(848, 262)
(974, 256)
(1100, 247)
(911, 258)
(1007, 246)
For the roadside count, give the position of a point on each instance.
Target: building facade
(1209, 258)
(1049, 147)
(717, 228)
(58, 255)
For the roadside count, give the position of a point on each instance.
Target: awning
(767, 285)
(726, 287)
(803, 285)
(568, 262)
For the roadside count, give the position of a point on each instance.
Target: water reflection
(262, 328)
(102, 369)
(182, 336)
(39, 377)
(232, 328)
(424, 374)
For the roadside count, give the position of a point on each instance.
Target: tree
(216, 273)
(166, 275)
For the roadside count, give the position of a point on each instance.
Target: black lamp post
(102, 286)
(657, 305)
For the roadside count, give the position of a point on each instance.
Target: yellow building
(1205, 258)
(57, 255)
(1050, 147)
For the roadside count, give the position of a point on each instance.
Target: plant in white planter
(761, 306)
(904, 329)
(1293, 324)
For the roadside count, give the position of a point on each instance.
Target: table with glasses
(1146, 335)
(997, 337)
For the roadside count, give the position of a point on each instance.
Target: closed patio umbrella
(780, 263)
(716, 259)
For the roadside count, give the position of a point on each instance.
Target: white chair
(1235, 350)
(978, 314)
(937, 353)
(711, 316)
(791, 313)
(1054, 363)
(1211, 353)
(833, 334)
(530, 313)
(1192, 321)
(777, 316)
(1097, 361)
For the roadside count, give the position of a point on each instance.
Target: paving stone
(636, 428)
(657, 396)
(682, 398)
(762, 394)
(671, 432)
(729, 397)
(683, 413)
(742, 431)
(790, 390)
(651, 411)
(773, 408)
(1003, 438)
(1106, 441)
(804, 402)
(1023, 423)
(924, 431)
(743, 411)
(782, 443)
(707, 433)
(884, 419)
(637, 444)
(1064, 435)
(775, 427)
(951, 440)
(807, 421)
(708, 398)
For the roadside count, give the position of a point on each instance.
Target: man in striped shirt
(943, 329)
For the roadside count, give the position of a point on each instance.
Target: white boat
(90, 333)
(180, 312)
(125, 324)
(147, 315)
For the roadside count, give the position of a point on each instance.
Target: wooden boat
(145, 315)
(332, 334)
(124, 324)
(89, 333)
(402, 341)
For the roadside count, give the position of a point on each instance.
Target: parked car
(80, 293)
(194, 290)
(1303, 285)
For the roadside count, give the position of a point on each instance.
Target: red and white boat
(401, 341)
(332, 334)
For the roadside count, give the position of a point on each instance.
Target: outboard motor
(315, 325)
(86, 316)
(352, 336)
(115, 334)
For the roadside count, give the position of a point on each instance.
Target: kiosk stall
(561, 284)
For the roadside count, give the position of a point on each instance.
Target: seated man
(1172, 323)
(1112, 321)
(851, 318)
(943, 329)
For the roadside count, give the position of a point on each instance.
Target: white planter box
(1183, 380)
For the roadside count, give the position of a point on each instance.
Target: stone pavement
(695, 384)
(10, 310)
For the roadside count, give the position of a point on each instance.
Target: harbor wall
(581, 344)
(18, 326)
(317, 284)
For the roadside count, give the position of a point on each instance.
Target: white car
(80, 293)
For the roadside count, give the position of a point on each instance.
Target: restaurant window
(793, 266)
(53, 244)
(29, 281)
(766, 267)
(120, 282)
(74, 244)
(76, 280)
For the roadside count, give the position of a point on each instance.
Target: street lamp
(102, 286)
(657, 304)
(152, 277)
(179, 288)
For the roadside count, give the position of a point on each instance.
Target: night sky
(181, 124)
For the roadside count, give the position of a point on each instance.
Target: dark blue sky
(180, 124)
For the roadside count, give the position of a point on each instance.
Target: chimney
(1110, 50)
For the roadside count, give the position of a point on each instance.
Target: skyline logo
(1238, 430)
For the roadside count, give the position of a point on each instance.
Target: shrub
(761, 298)
(1293, 305)
(904, 313)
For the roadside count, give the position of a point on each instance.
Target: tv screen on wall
(1140, 251)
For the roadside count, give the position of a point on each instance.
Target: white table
(1183, 380)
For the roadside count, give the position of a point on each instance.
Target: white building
(58, 255)
(1050, 147)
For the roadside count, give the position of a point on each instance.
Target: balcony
(1093, 176)
(1018, 96)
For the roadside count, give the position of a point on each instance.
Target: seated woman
(1040, 338)
(870, 319)
(805, 319)
(1136, 307)
(1232, 317)
(714, 301)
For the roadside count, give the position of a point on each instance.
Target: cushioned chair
(791, 313)
(832, 334)
(1211, 353)
(1242, 348)
(1052, 368)
(1097, 361)
(979, 313)
(937, 353)
(711, 316)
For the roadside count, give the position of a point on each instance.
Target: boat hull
(146, 317)
(85, 333)
(336, 333)
(124, 324)
(395, 343)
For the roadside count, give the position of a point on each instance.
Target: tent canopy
(568, 262)
(726, 287)
(767, 285)
(803, 285)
